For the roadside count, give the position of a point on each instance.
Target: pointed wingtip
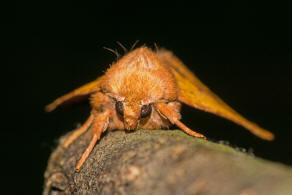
(262, 133)
(50, 107)
(269, 136)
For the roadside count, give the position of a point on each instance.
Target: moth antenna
(119, 55)
(113, 51)
(156, 47)
(122, 46)
(134, 45)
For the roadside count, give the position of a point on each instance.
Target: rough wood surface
(162, 162)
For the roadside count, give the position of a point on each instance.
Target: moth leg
(79, 131)
(99, 124)
(173, 116)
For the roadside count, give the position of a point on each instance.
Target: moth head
(132, 113)
(138, 80)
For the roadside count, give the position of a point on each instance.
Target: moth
(144, 90)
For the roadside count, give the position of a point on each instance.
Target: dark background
(241, 50)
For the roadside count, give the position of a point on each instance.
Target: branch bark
(162, 162)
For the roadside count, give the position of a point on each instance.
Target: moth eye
(120, 108)
(145, 111)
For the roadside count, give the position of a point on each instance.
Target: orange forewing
(194, 93)
(84, 90)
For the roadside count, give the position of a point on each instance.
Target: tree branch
(162, 162)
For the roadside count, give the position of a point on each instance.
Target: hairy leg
(173, 116)
(97, 101)
(99, 124)
(78, 131)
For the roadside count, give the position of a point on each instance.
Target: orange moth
(144, 90)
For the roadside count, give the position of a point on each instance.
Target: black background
(241, 50)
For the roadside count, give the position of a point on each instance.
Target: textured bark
(162, 162)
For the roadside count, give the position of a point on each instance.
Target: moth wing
(75, 95)
(194, 93)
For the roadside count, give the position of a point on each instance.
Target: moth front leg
(99, 124)
(99, 100)
(173, 116)
(79, 131)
